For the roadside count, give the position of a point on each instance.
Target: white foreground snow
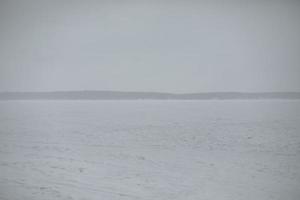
(152, 150)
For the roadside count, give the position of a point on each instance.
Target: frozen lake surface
(150, 150)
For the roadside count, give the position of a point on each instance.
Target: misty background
(166, 46)
(59, 58)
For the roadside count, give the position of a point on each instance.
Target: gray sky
(168, 46)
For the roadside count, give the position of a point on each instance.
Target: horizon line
(138, 91)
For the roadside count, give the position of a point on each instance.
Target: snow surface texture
(165, 150)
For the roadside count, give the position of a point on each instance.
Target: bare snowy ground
(191, 150)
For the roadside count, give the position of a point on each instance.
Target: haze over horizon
(152, 46)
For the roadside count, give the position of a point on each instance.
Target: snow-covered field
(152, 150)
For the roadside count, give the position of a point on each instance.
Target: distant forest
(116, 95)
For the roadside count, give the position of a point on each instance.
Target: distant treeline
(116, 95)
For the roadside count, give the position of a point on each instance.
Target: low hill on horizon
(117, 95)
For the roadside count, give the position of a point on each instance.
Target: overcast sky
(167, 46)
